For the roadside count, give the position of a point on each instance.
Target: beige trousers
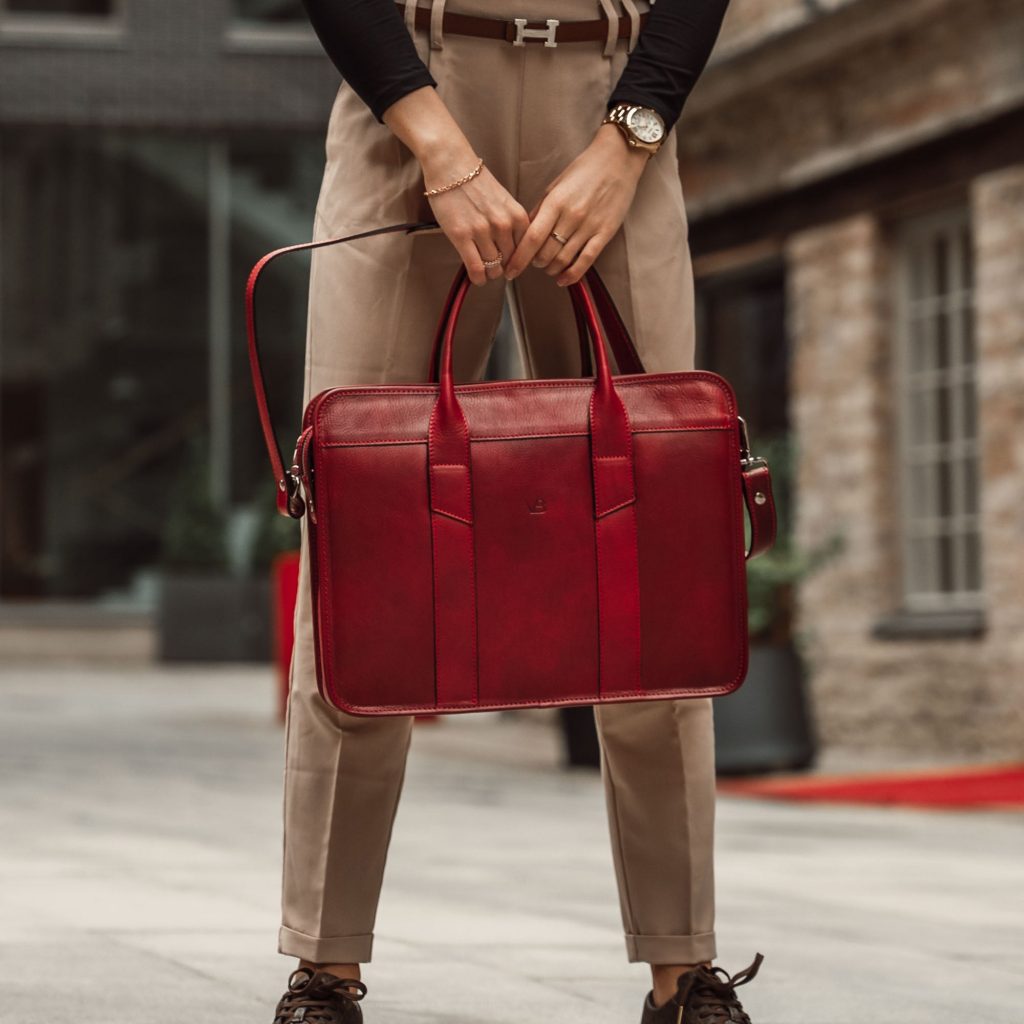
(373, 309)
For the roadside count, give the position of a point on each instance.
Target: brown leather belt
(520, 31)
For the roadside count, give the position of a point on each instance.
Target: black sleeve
(669, 56)
(369, 44)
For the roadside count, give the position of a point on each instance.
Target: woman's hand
(481, 218)
(586, 204)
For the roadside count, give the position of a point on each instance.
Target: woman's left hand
(586, 204)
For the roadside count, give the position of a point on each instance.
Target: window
(272, 26)
(741, 334)
(123, 258)
(75, 8)
(276, 12)
(70, 21)
(937, 405)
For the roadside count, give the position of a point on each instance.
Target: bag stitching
(515, 437)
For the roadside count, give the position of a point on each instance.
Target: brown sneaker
(706, 995)
(317, 997)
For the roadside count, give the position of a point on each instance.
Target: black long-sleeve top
(369, 44)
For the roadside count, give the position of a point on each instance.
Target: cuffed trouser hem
(341, 949)
(671, 949)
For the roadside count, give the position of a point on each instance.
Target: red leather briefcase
(524, 543)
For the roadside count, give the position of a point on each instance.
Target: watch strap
(618, 114)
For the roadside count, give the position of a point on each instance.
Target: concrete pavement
(140, 860)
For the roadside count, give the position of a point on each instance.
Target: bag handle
(611, 435)
(452, 521)
(287, 481)
(627, 359)
(755, 474)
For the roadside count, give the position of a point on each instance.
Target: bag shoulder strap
(756, 479)
(285, 480)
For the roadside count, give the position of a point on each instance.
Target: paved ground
(139, 870)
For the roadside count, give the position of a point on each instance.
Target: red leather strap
(626, 357)
(583, 333)
(451, 499)
(755, 480)
(760, 502)
(451, 525)
(618, 563)
(288, 501)
(434, 366)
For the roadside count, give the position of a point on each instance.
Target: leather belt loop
(436, 30)
(410, 16)
(634, 24)
(613, 26)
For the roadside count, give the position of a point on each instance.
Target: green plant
(772, 578)
(194, 530)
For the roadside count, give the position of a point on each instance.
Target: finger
(533, 238)
(470, 255)
(520, 224)
(490, 254)
(503, 239)
(568, 227)
(555, 255)
(583, 262)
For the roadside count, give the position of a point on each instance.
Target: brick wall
(942, 696)
(997, 203)
(799, 98)
(750, 22)
(864, 81)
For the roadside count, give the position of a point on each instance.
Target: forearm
(611, 142)
(670, 55)
(421, 120)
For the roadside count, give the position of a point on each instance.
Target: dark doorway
(741, 334)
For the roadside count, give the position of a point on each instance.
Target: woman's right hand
(480, 218)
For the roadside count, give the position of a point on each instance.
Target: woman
(495, 108)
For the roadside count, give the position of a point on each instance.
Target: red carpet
(980, 786)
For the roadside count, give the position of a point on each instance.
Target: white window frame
(32, 26)
(923, 458)
(253, 35)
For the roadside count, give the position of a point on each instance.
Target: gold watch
(642, 127)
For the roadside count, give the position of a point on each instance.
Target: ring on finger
(496, 262)
(559, 238)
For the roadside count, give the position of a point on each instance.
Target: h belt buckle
(523, 32)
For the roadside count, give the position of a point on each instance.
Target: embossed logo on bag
(537, 507)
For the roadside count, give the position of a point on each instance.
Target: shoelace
(312, 998)
(711, 993)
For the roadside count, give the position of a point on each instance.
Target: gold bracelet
(458, 181)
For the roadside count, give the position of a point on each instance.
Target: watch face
(646, 124)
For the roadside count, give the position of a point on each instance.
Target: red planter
(284, 574)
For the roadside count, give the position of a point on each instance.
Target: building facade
(149, 153)
(854, 174)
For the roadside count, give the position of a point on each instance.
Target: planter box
(213, 618)
(765, 725)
